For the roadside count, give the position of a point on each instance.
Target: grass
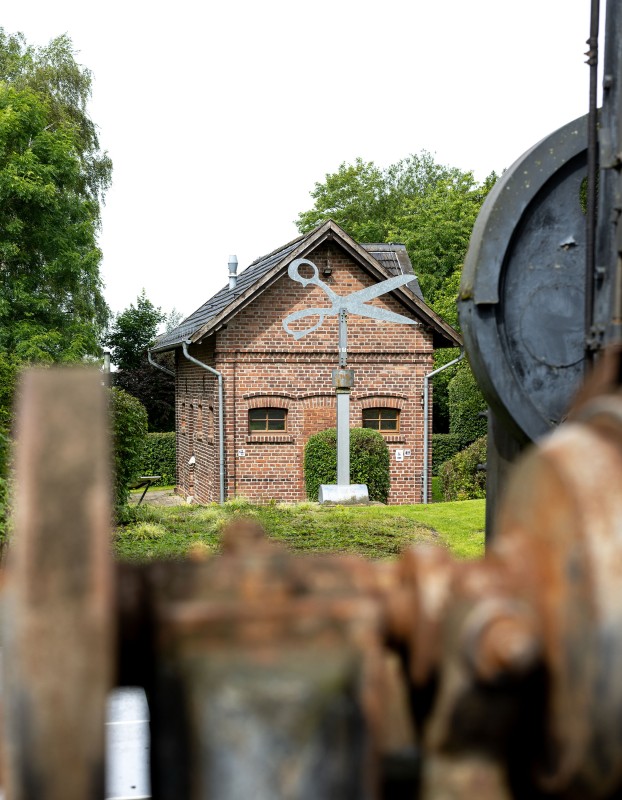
(375, 531)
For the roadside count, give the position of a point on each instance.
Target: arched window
(262, 420)
(385, 420)
(183, 422)
(200, 420)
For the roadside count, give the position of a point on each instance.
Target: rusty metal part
(281, 676)
(58, 622)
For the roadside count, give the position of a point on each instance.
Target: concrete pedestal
(338, 493)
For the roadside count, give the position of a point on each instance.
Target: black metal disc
(522, 294)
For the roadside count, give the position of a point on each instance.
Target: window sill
(393, 438)
(270, 438)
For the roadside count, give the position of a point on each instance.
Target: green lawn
(376, 531)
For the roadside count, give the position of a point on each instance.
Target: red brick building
(278, 391)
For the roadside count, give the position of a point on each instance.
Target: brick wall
(263, 366)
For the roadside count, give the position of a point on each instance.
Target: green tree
(131, 334)
(430, 208)
(133, 331)
(53, 177)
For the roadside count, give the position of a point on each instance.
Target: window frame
(267, 430)
(367, 412)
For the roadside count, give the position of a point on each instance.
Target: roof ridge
(278, 249)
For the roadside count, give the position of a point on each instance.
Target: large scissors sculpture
(355, 303)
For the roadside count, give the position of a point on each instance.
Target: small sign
(399, 455)
(407, 453)
(241, 453)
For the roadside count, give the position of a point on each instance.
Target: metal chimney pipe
(233, 272)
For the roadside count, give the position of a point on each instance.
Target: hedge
(369, 462)
(159, 457)
(4, 486)
(444, 447)
(466, 403)
(461, 479)
(129, 431)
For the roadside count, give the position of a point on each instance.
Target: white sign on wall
(399, 455)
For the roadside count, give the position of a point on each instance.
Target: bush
(159, 457)
(460, 476)
(4, 486)
(465, 405)
(369, 462)
(444, 447)
(129, 430)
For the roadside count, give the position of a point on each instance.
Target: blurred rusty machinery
(275, 676)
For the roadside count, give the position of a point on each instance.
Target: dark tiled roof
(394, 258)
(224, 297)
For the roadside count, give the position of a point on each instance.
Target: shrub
(465, 405)
(369, 461)
(4, 486)
(159, 457)
(461, 478)
(444, 447)
(129, 430)
(144, 531)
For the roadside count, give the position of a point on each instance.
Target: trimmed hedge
(466, 402)
(159, 457)
(129, 431)
(4, 486)
(369, 462)
(444, 447)
(460, 477)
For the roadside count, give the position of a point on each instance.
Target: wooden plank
(58, 629)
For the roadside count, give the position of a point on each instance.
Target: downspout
(161, 367)
(221, 409)
(426, 420)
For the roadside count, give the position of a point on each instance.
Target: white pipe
(426, 420)
(161, 367)
(233, 272)
(221, 410)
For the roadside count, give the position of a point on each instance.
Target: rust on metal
(286, 677)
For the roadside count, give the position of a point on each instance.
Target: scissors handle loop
(306, 312)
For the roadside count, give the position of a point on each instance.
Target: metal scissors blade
(364, 310)
(379, 288)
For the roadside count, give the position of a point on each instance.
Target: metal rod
(343, 437)
(426, 421)
(221, 414)
(592, 179)
(161, 367)
(343, 339)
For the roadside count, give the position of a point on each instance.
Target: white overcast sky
(220, 117)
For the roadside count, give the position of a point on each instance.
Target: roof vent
(233, 272)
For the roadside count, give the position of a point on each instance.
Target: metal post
(426, 421)
(343, 408)
(343, 339)
(343, 437)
